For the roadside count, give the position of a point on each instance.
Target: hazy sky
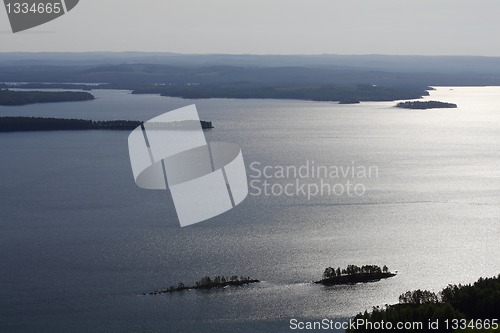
(430, 27)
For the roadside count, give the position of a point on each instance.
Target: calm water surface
(80, 243)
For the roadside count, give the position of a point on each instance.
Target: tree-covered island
(424, 105)
(10, 97)
(208, 283)
(353, 274)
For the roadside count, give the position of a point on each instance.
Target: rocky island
(424, 105)
(353, 274)
(208, 283)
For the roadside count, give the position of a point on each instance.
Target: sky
(403, 27)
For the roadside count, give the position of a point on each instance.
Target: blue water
(80, 243)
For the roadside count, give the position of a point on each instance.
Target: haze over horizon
(356, 27)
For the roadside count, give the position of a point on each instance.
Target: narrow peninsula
(424, 105)
(353, 274)
(14, 97)
(27, 124)
(208, 283)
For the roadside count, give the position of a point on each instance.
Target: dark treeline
(9, 97)
(353, 269)
(25, 124)
(354, 274)
(208, 283)
(423, 105)
(479, 302)
(21, 124)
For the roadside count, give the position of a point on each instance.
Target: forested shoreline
(11, 97)
(27, 124)
(472, 307)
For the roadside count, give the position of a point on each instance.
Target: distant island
(349, 101)
(208, 283)
(353, 274)
(26, 124)
(424, 105)
(10, 97)
(463, 308)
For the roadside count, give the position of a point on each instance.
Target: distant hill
(377, 62)
(321, 77)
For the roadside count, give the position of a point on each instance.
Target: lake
(80, 242)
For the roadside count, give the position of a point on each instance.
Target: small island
(208, 283)
(353, 274)
(15, 98)
(424, 105)
(27, 124)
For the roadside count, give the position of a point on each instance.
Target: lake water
(80, 243)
